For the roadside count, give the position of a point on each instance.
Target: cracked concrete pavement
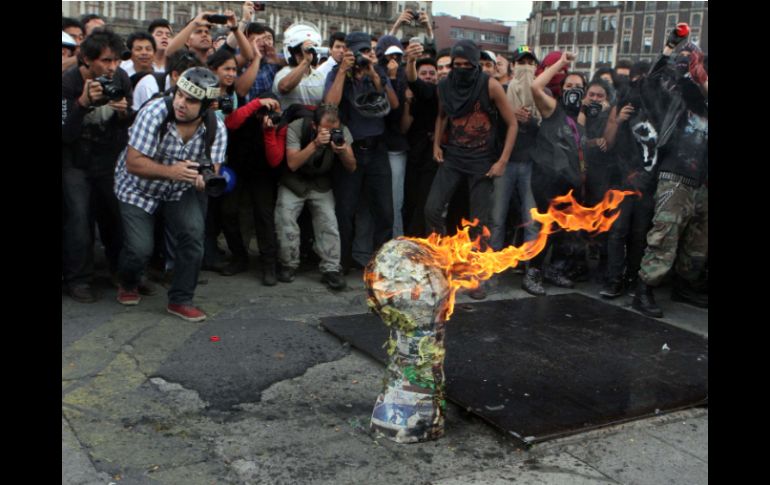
(149, 399)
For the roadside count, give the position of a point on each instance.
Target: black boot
(612, 288)
(683, 291)
(644, 301)
(268, 275)
(532, 282)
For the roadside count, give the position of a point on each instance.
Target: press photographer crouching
(175, 144)
(315, 143)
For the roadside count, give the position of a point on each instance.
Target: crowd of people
(168, 137)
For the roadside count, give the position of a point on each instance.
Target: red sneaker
(128, 297)
(186, 312)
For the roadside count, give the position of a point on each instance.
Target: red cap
(682, 29)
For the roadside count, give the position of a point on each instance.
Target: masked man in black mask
(469, 151)
(559, 163)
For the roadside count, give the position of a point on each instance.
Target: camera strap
(209, 122)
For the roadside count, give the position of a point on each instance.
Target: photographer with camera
(364, 99)
(176, 144)
(300, 82)
(314, 145)
(196, 35)
(96, 96)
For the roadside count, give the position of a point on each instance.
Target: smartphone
(216, 19)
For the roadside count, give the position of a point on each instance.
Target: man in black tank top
(465, 139)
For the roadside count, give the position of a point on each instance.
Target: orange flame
(465, 264)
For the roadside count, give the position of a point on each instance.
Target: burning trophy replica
(412, 285)
(411, 297)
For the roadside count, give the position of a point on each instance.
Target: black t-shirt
(556, 152)
(687, 151)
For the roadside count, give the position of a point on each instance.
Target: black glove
(677, 35)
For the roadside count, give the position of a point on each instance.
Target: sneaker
(286, 275)
(234, 267)
(268, 275)
(334, 280)
(612, 289)
(533, 282)
(128, 297)
(557, 279)
(83, 293)
(186, 312)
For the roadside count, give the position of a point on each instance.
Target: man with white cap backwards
(300, 82)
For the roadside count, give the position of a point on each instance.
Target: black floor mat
(542, 368)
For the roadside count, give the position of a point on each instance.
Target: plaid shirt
(147, 194)
(264, 80)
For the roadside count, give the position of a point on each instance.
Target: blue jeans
(186, 220)
(88, 198)
(398, 173)
(518, 177)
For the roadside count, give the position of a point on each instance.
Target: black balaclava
(460, 90)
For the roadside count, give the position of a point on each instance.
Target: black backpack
(160, 78)
(209, 121)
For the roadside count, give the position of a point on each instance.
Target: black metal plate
(542, 368)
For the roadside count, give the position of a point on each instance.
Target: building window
(671, 21)
(609, 53)
(153, 11)
(626, 44)
(573, 4)
(123, 10)
(605, 24)
(181, 16)
(554, 5)
(695, 20)
(649, 5)
(647, 45)
(649, 21)
(628, 22)
(592, 24)
(674, 5)
(613, 22)
(94, 7)
(584, 24)
(602, 51)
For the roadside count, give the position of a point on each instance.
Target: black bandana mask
(682, 64)
(571, 100)
(464, 77)
(594, 109)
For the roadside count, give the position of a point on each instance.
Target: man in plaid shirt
(156, 172)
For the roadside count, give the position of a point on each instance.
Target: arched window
(565, 24)
(592, 24)
(572, 24)
(584, 24)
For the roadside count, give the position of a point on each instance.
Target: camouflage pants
(327, 236)
(679, 234)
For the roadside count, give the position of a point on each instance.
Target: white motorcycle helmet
(298, 33)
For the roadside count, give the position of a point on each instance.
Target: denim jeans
(88, 198)
(518, 178)
(371, 180)
(186, 220)
(398, 173)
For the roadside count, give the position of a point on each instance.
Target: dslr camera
(111, 90)
(362, 61)
(215, 184)
(216, 19)
(274, 116)
(338, 137)
(318, 51)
